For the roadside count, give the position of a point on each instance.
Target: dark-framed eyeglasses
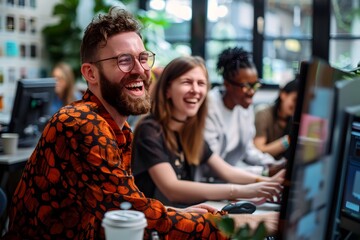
(126, 62)
(248, 86)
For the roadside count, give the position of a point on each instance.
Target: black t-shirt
(149, 149)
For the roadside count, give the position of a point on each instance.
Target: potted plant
(226, 225)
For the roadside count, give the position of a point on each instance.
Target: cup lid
(9, 135)
(124, 218)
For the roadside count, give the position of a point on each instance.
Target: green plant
(154, 23)
(344, 19)
(63, 39)
(356, 70)
(226, 225)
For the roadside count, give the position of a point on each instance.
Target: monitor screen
(309, 180)
(31, 109)
(350, 197)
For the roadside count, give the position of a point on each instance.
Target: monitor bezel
(29, 84)
(304, 85)
(347, 221)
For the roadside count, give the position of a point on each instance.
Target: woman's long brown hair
(191, 136)
(68, 95)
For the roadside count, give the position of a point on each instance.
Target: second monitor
(307, 210)
(31, 109)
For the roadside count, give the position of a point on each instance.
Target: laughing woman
(168, 144)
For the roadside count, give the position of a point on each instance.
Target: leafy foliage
(154, 23)
(344, 19)
(63, 39)
(227, 227)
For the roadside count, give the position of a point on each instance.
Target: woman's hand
(275, 168)
(278, 177)
(267, 190)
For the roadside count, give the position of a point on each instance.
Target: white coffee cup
(124, 224)
(10, 142)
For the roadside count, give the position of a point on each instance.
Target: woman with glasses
(169, 146)
(273, 123)
(230, 128)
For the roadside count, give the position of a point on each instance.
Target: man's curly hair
(104, 26)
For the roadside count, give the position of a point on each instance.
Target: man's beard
(125, 104)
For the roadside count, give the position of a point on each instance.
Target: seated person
(65, 89)
(168, 144)
(230, 127)
(273, 123)
(80, 168)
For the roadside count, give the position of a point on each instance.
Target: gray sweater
(230, 134)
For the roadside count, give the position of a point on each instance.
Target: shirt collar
(124, 136)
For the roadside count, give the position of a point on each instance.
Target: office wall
(21, 45)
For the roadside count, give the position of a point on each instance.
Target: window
(279, 33)
(170, 42)
(345, 33)
(287, 39)
(229, 24)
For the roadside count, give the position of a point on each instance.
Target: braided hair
(233, 59)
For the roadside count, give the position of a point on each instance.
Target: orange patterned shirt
(80, 169)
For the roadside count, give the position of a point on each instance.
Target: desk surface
(10, 163)
(21, 156)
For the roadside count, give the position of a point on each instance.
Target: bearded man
(80, 168)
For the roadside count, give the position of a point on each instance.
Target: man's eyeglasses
(249, 86)
(126, 62)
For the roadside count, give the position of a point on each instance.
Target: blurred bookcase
(22, 51)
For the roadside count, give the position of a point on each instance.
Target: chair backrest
(3, 201)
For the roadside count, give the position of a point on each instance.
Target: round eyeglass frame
(249, 86)
(147, 67)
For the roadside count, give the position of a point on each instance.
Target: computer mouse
(240, 207)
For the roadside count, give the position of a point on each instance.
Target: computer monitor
(31, 109)
(311, 171)
(349, 201)
(347, 97)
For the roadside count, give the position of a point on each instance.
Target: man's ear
(89, 72)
